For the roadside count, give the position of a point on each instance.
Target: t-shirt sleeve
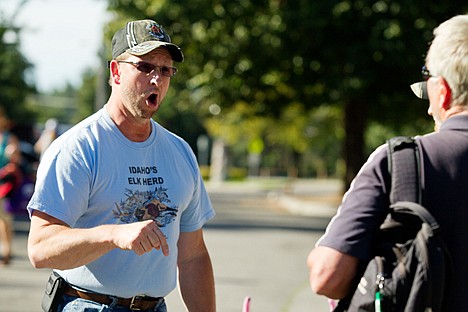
(63, 184)
(362, 210)
(199, 210)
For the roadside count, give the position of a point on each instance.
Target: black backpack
(411, 268)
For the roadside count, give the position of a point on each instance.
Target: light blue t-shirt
(93, 175)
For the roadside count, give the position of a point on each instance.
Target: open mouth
(152, 99)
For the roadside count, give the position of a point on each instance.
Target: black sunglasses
(147, 68)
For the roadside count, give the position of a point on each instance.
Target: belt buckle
(132, 303)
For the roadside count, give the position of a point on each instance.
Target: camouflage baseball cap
(141, 37)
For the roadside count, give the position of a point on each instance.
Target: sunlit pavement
(21, 286)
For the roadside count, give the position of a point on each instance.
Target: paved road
(258, 249)
(21, 286)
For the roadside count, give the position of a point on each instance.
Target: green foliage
(13, 68)
(85, 96)
(286, 72)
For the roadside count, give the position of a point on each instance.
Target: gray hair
(448, 56)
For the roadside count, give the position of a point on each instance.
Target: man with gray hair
(347, 242)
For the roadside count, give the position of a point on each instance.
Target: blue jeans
(73, 304)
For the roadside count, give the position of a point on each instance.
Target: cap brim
(420, 90)
(148, 46)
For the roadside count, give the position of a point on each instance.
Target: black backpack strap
(406, 192)
(415, 209)
(404, 169)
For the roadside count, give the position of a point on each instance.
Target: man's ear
(115, 71)
(445, 94)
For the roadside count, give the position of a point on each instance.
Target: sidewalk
(315, 198)
(308, 197)
(21, 286)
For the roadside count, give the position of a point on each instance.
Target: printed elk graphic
(154, 210)
(149, 205)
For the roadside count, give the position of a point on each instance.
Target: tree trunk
(355, 124)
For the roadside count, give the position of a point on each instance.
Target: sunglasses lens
(420, 90)
(166, 71)
(148, 68)
(145, 67)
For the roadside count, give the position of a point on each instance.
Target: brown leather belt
(137, 303)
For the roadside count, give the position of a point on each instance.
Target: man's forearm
(53, 244)
(65, 248)
(197, 284)
(331, 272)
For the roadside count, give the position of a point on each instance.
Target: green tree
(85, 96)
(14, 88)
(283, 57)
(368, 53)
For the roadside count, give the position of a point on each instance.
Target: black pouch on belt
(53, 292)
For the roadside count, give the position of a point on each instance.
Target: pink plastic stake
(246, 307)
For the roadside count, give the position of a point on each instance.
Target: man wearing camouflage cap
(119, 204)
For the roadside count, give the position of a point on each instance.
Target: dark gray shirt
(445, 195)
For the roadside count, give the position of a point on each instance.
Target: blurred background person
(10, 157)
(11, 177)
(48, 135)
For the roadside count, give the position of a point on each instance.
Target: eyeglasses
(426, 74)
(420, 88)
(148, 68)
